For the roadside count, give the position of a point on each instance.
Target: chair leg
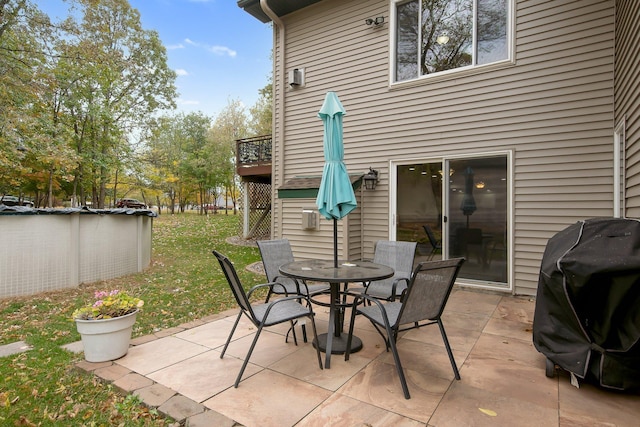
(449, 352)
(235, 325)
(396, 358)
(304, 333)
(350, 335)
(246, 360)
(293, 331)
(315, 338)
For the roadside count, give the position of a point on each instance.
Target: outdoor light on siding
(379, 20)
(371, 179)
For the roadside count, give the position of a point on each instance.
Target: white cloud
(218, 50)
(188, 102)
(175, 46)
(223, 50)
(181, 72)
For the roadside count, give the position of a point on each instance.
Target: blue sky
(219, 51)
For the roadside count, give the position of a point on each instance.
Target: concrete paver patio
(503, 376)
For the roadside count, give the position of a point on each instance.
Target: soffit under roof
(280, 7)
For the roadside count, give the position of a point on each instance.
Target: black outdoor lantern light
(371, 179)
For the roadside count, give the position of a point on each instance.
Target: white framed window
(435, 36)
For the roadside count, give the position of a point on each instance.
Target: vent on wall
(296, 77)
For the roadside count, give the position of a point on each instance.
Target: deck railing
(252, 151)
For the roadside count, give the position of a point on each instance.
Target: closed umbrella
(335, 195)
(468, 204)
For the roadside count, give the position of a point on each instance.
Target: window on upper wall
(432, 36)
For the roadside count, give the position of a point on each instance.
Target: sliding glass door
(457, 208)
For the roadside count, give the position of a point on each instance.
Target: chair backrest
(432, 238)
(234, 282)
(429, 290)
(274, 253)
(397, 255)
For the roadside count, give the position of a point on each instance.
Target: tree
(260, 121)
(230, 125)
(119, 78)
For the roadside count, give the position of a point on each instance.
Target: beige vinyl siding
(627, 90)
(319, 243)
(553, 108)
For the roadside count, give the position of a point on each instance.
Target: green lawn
(183, 283)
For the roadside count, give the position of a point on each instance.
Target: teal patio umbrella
(335, 196)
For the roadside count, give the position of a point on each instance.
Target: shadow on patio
(503, 376)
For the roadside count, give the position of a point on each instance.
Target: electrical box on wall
(296, 77)
(309, 219)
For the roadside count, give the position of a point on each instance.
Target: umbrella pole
(335, 243)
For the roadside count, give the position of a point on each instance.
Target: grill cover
(587, 314)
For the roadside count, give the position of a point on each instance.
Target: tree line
(87, 113)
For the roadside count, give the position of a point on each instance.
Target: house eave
(280, 7)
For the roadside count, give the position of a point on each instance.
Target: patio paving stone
(378, 384)
(268, 399)
(341, 410)
(202, 376)
(112, 372)
(155, 394)
(465, 405)
(132, 381)
(158, 354)
(180, 408)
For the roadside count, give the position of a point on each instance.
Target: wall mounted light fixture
(442, 39)
(371, 179)
(379, 20)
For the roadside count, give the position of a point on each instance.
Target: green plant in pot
(106, 325)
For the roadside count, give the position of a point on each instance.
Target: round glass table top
(347, 271)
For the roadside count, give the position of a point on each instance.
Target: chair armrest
(295, 281)
(394, 285)
(264, 285)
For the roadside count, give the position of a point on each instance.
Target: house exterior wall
(552, 108)
(627, 95)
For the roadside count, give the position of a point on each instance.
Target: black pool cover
(587, 315)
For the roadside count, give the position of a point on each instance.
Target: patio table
(346, 272)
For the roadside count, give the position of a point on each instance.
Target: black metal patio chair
(420, 305)
(436, 245)
(399, 256)
(286, 309)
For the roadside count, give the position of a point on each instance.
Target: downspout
(278, 116)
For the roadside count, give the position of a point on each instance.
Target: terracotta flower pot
(106, 339)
